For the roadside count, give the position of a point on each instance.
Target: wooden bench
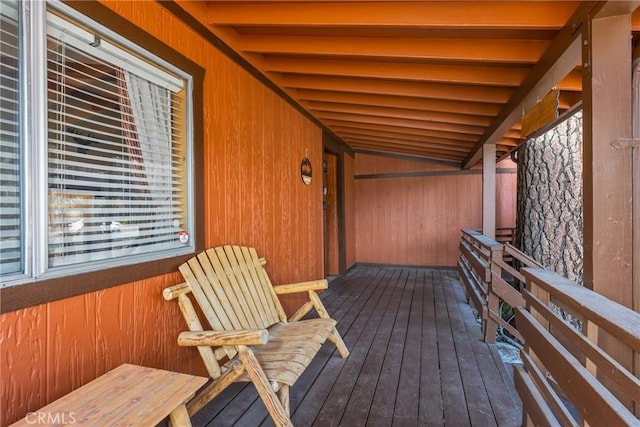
(128, 395)
(248, 336)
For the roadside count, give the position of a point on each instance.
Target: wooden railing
(474, 267)
(487, 271)
(505, 288)
(576, 375)
(579, 346)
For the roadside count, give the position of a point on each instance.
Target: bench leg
(335, 335)
(208, 393)
(284, 398)
(335, 338)
(278, 413)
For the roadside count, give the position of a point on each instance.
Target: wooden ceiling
(434, 79)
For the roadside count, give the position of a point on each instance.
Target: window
(116, 150)
(104, 175)
(11, 241)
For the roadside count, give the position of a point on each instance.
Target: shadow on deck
(417, 358)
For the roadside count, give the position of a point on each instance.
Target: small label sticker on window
(183, 236)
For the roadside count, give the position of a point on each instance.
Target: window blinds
(116, 178)
(11, 240)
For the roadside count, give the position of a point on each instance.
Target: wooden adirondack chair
(250, 332)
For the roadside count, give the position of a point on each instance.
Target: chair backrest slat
(213, 291)
(233, 289)
(232, 305)
(257, 295)
(193, 274)
(240, 286)
(267, 286)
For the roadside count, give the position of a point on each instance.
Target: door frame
(334, 146)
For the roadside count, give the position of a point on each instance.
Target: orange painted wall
(254, 143)
(417, 220)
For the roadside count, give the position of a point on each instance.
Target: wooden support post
(608, 190)
(607, 171)
(635, 166)
(636, 251)
(489, 190)
(493, 301)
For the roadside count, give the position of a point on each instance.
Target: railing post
(489, 190)
(493, 302)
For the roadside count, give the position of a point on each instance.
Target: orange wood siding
(254, 143)
(349, 211)
(417, 220)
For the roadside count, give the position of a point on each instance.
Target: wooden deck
(417, 359)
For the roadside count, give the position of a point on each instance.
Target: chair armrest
(217, 338)
(313, 285)
(175, 291)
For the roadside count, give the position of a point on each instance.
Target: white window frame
(33, 125)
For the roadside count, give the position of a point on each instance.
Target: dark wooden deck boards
(417, 359)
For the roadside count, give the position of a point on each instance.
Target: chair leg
(284, 398)
(335, 338)
(335, 335)
(278, 413)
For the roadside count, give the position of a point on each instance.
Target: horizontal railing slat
(500, 321)
(549, 394)
(482, 239)
(582, 347)
(505, 291)
(616, 319)
(480, 266)
(532, 400)
(523, 258)
(593, 400)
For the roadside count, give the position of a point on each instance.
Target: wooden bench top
(129, 395)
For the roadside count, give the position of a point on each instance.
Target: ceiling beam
(368, 133)
(572, 82)
(425, 104)
(403, 130)
(463, 119)
(443, 73)
(433, 154)
(478, 50)
(559, 60)
(469, 14)
(402, 143)
(406, 123)
(414, 89)
(510, 142)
